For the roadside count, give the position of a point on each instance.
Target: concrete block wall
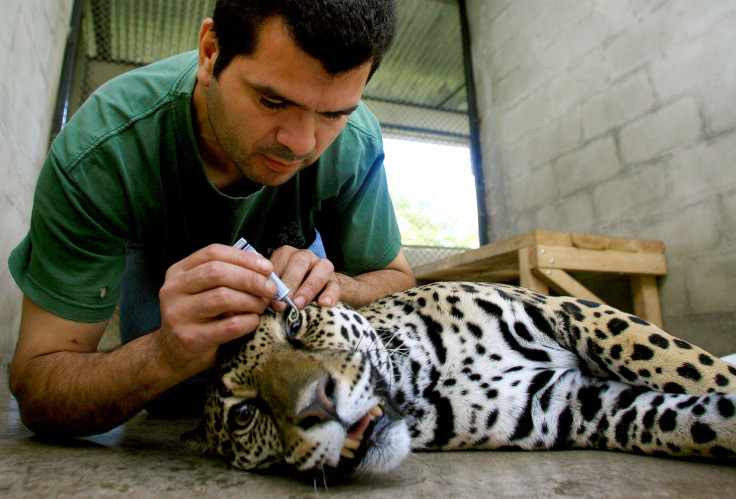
(618, 117)
(32, 45)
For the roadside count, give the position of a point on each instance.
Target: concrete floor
(145, 458)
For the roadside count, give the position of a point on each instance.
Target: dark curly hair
(342, 34)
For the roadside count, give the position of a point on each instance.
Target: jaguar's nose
(322, 407)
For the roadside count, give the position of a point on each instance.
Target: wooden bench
(541, 260)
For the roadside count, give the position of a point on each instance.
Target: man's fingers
(223, 253)
(232, 327)
(321, 273)
(330, 295)
(209, 306)
(307, 276)
(292, 266)
(194, 347)
(225, 301)
(214, 274)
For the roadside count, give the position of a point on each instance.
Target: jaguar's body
(451, 366)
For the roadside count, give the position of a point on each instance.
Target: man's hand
(209, 298)
(310, 277)
(307, 276)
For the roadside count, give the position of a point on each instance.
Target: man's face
(276, 111)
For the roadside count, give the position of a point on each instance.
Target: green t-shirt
(126, 169)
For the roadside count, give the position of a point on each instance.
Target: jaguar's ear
(195, 441)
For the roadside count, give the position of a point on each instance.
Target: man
(261, 135)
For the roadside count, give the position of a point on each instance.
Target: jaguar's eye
(243, 414)
(294, 327)
(293, 322)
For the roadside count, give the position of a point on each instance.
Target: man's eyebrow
(273, 94)
(270, 93)
(341, 112)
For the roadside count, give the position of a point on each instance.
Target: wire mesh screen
(418, 95)
(420, 91)
(420, 98)
(119, 35)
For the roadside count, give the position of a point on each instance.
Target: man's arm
(365, 288)
(65, 387)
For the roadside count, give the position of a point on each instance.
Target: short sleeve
(70, 263)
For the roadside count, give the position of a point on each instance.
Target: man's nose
(298, 133)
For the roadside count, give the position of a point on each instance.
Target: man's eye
(270, 104)
(335, 116)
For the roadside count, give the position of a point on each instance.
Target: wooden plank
(461, 272)
(550, 238)
(479, 276)
(474, 259)
(489, 256)
(646, 298)
(565, 284)
(589, 241)
(634, 245)
(498, 260)
(527, 279)
(556, 257)
(498, 275)
(600, 242)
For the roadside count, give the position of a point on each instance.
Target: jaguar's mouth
(360, 435)
(375, 430)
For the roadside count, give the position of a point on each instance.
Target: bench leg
(527, 279)
(646, 298)
(563, 283)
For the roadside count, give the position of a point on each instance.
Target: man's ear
(208, 50)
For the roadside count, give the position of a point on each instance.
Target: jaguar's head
(314, 396)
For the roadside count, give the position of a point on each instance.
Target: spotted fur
(464, 366)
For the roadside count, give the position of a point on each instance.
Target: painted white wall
(32, 43)
(617, 117)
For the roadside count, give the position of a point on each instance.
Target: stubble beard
(246, 162)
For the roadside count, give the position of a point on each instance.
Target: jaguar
(457, 366)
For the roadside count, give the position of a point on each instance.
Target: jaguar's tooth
(347, 453)
(352, 444)
(376, 411)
